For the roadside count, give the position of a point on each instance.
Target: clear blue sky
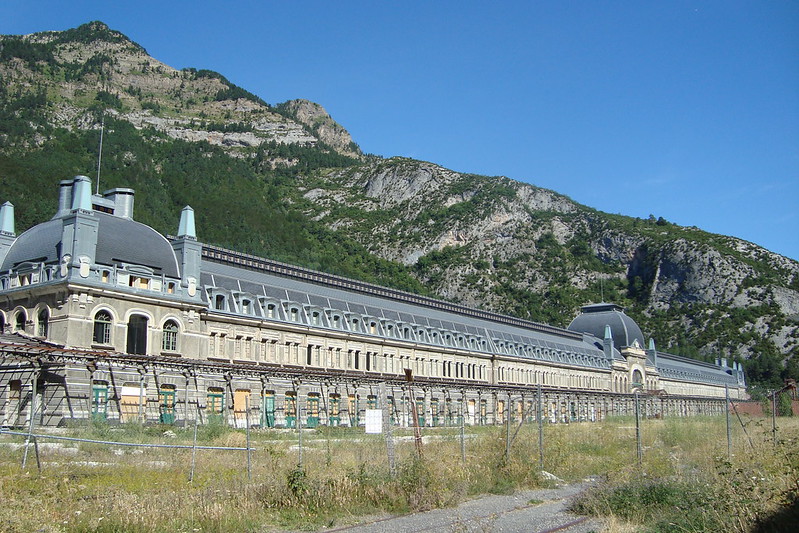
(685, 110)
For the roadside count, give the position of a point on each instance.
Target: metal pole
(638, 429)
(540, 419)
(387, 429)
(141, 396)
(31, 416)
(194, 445)
(463, 428)
(299, 423)
(507, 431)
(249, 450)
(774, 416)
(727, 408)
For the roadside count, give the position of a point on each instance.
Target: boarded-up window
(131, 402)
(241, 401)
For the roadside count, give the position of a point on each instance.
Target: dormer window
(373, 327)
(336, 321)
(219, 302)
(270, 311)
(315, 318)
(294, 314)
(138, 282)
(246, 307)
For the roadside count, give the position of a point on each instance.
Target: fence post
(540, 419)
(507, 430)
(299, 421)
(463, 427)
(249, 450)
(387, 429)
(727, 413)
(638, 428)
(31, 416)
(194, 445)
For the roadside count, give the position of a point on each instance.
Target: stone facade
(102, 316)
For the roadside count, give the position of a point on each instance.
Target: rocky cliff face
(510, 246)
(96, 63)
(315, 119)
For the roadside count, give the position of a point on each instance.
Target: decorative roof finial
(186, 227)
(7, 218)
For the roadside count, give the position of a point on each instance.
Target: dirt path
(532, 511)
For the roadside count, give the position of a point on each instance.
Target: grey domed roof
(119, 240)
(594, 318)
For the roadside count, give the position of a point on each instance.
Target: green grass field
(686, 481)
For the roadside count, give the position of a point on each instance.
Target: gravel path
(532, 511)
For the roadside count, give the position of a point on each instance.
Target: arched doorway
(137, 335)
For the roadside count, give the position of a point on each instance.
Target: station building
(103, 317)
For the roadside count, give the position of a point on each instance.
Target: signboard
(374, 421)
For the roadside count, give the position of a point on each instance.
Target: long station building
(103, 317)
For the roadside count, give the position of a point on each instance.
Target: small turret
(652, 353)
(7, 235)
(607, 343)
(186, 227)
(188, 252)
(7, 219)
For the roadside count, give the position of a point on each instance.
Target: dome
(594, 318)
(119, 240)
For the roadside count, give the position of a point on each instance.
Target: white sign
(374, 421)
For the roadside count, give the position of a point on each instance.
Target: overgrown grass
(685, 483)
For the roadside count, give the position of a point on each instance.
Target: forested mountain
(287, 182)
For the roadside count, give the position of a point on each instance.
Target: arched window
(19, 323)
(170, 338)
(42, 320)
(638, 378)
(102, 328)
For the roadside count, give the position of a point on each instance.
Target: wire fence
(529, 426)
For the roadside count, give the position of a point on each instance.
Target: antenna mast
(100, 153)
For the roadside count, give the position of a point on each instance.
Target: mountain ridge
(287, 181)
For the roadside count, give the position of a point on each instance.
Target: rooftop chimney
(64, 198)
(82, 193)
(123, 201)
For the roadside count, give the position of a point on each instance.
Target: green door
(99, 402)
(268, 411)
(290, 411)
(420, 412)
(313, 411)
(335, 411)
(166, 402)
(215, 404)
